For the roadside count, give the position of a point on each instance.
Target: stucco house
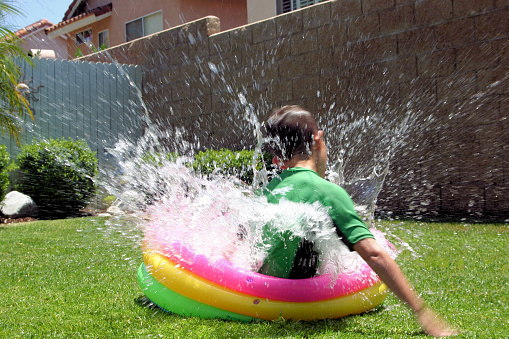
(35, 41)
(90, 25)
(94, 24)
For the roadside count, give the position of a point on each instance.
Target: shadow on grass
(446, 218)
(284, 327)
(145, 302)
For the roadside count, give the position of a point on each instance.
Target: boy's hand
(390, 273)
(433, 324)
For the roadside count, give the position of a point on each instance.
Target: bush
(230, 163)
(58, 175)
(5, 167)
(157, 159)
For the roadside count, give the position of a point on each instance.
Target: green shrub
(109, 200)
(230, 163)
(157, 159)
(222, 162)
(5, 167)
(59, 175)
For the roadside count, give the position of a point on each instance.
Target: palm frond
(13, 105)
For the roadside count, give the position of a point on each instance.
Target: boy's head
(290, 131)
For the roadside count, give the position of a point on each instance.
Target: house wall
(232, 13)
(260, 9)
(435, 71)
(84, 48)
(39, 40)
(122, 14)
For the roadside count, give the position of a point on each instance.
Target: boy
(299, 147)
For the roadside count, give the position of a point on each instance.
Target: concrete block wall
(422, 82)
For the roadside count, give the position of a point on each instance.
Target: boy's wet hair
(290, 131)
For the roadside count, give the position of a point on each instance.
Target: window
(104, 39)
(284, 6)
(144, 26)
(85, 36)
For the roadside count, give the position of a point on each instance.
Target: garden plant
(5, 168)
(14, 106)
(58, 175)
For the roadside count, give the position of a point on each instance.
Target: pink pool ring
(224, 273)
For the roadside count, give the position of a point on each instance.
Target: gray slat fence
(98, 102)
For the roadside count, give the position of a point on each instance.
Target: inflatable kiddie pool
(182, 282)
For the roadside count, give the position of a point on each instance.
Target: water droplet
(242, 99)
(213, 68)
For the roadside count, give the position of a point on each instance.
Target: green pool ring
(175, 303)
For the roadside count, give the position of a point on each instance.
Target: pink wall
(96, 28)
(39, 40)
(233, 13)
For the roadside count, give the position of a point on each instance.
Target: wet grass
(76, 278)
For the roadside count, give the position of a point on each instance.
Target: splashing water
(206, 214)
(219, 217)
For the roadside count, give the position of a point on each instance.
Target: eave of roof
(78, 21)
(72, 7)
(33, 28)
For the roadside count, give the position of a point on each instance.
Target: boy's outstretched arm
(390, 273)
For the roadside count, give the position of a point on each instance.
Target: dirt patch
(82, 213)
(15, 220)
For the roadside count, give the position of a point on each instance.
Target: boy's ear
(317, 136)
(278, 162)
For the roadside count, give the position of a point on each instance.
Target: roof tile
(36, 26)
(96, 11)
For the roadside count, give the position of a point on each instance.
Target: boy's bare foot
(434, 325)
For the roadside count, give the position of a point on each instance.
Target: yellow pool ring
(183, 282)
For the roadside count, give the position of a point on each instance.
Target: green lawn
(77, 278)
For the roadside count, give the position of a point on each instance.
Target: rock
(115, 210)
(104, 215)
(18, 205)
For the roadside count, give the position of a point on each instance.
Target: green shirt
(304, 185)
